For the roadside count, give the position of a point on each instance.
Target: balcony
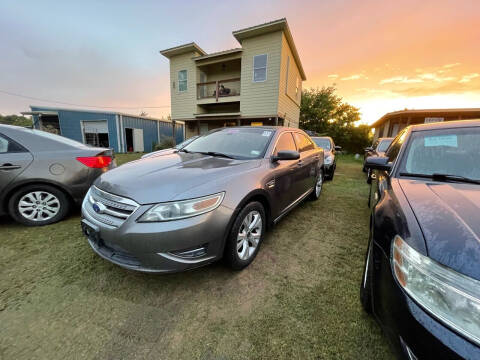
(219, 91)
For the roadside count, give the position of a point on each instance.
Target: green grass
(298, 299)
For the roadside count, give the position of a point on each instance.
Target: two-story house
(259, 83)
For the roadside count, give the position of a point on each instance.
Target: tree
(324, 112)
(15, 120)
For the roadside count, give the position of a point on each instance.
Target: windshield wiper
(183, 150)
(443, 177)
(214, 153)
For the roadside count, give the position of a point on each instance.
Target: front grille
(112, 209)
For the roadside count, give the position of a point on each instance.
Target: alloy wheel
(249, 235)
(319, 184)
(38, 206)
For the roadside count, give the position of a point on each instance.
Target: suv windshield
(384, 144)
(238, 143)
(447, 152)
(323, 143)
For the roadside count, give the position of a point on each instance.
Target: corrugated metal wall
(71, 126)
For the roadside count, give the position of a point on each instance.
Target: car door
(307, 164)
(14, 159)
(284, 174)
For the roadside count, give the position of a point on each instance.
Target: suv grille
(112, 209)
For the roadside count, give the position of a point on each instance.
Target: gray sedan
(214, 198)
(42, 174)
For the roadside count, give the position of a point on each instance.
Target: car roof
(321, 137)
(446, 125)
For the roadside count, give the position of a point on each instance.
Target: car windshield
(185, 143)
(384, 144)
(323, 143)
(447, 151)
(238, 143)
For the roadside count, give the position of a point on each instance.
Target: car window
(323, 143)
(395, 146)
(303, 143)
(443, 151)
(9, 146)
(285, 142)
(383, 146)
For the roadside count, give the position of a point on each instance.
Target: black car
(329, 150)
(378, 148)
(43, 174)
(422, 268)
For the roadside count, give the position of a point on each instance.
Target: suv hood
(449, 216)
(163, 178)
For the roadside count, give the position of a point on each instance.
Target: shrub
(166, 142)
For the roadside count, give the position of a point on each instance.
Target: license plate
(90, 232)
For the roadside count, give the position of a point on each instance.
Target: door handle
(9, 166)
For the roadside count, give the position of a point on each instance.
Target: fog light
(191, 254)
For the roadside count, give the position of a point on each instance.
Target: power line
(82, 105)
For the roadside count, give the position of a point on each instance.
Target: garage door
(95, 133)
(99, 127)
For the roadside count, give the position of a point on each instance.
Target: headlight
(450, 296)
(182, 209)
(328, 159)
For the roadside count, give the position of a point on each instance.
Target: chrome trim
(185, 261)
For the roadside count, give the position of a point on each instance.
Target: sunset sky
(382, 55)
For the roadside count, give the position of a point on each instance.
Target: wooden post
(173, 133)
(216, 91)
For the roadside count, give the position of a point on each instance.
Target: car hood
(449, 216)
(164, 178)
(159, 153)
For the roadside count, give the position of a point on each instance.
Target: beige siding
(288, 98)
(183, 103)
(261, 98)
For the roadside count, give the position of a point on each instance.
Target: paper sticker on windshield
(266, 133)
(443, 140)
(255, 152)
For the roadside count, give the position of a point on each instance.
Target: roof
(276, 25)
(54, 111)
(422, 112)
(218, 53)
(182, 49)
(446, 124)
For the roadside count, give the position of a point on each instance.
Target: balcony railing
(218, 89)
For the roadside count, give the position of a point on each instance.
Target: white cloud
(333, 76)
(400, 80)
(354, 77)
(469, 77)
(447, 66)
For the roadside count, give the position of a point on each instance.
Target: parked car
(378, 148)
(422, 268)
(214, 198)
(170, 150)
(329, 150)
(42, 174)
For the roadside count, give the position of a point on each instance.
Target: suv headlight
(450, 296)
(328, 159)
(176, 210)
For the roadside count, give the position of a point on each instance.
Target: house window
(286, 76)
(182, 80)
(260, 68)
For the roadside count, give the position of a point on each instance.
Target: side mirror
(368, 149)
(338, 148)
(286, 155)
(378, 163)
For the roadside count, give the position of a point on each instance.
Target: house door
(138, 140)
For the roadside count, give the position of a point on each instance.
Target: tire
(240, 253)
(369, 176)
(315, 195)
(28, 201)
(366, 282)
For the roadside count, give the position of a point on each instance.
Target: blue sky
(382, 55)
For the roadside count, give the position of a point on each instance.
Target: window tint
(182, 80)
(303, 143)
(323, 143)
(285, 142)
(260, 68)
(383, 146)
(9, 146)
(396, 145)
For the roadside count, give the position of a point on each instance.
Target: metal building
(122, 132)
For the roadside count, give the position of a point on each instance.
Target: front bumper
(414, 333)
(155, 247)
